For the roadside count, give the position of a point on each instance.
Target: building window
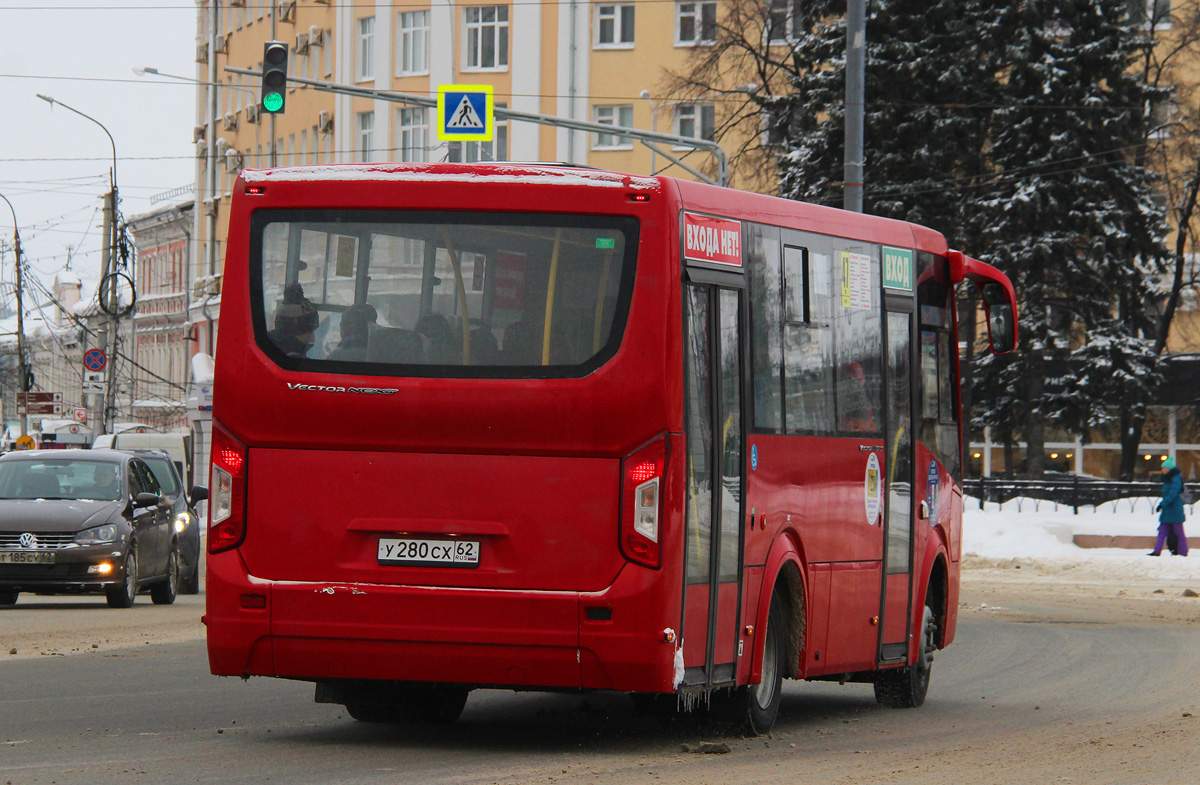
(366, 48)
(613, 115)
(412, 134)
(614, 25)
(474, 152)
(781, 20)
(412, 53)
(366, 134)
(695, 23)
(487, 36)
(695, 120)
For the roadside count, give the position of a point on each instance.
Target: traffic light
(274, 76)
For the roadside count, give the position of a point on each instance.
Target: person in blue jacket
(1170, 509)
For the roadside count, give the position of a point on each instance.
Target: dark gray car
(184, 519)
(82, 520)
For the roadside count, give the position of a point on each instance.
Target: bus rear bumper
(321, 631)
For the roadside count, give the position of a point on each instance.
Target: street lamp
(22, 377)
(143, 70)
(107, 414)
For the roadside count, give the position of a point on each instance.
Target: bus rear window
(441, 294)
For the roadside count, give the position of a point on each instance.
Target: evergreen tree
(931, 90)
(1072, 219)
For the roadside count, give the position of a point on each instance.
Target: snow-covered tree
(1019, 130)
(1072, 215)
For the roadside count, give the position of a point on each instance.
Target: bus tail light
(641, 503)
(227, 507)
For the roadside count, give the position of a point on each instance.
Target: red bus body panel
(530, 468)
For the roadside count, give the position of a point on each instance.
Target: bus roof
(700, 197)
(807, 217)
(542, 174)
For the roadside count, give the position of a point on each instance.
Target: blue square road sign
(465, 113)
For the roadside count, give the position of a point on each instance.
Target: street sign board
(80, 414)
(95, 359)
(465, 113)
(39, 397)
(25, 442)
(40, 408)
(94, 387)
(94, 376)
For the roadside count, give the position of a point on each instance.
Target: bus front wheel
(905, 688)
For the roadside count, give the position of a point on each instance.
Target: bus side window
(938, 405)
(808, 341)
(766, 346)
(858, 339)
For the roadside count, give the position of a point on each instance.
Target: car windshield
(60, 479)
(162, 472)
(442, 294)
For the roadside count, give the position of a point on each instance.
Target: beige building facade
(598, 62)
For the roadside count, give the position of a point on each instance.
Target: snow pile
(1027, 529)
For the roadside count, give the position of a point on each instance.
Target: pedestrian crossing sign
(465, 113)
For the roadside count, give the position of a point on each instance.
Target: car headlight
(98, 535)
(182, 521)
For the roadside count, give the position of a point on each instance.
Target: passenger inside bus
(356, 325)
(853, 407)
(521, 341)
(442, 349)
(296, 321)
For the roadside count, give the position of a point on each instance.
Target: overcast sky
(54, 164)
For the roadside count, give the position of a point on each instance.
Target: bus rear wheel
(905, 688)
(755, 707)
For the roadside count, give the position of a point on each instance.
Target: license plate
(429, 553)
(26, 557)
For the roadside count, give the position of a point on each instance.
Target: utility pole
(113, 305)
(856, 57)
(22, 368)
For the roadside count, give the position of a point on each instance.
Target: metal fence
(1074, 492)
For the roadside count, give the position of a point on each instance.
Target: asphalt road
(1035, 697)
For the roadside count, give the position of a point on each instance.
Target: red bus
(542, 427)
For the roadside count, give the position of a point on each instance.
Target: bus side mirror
(1002, 327)
(999, 300)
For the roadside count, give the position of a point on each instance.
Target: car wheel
(190, 583)
(123, 594)
(905, 688)
(8, 596)
(165, 591)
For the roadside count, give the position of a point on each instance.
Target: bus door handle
(923, 511)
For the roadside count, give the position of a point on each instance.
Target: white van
(176, 445)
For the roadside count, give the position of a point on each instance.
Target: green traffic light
(272, 102)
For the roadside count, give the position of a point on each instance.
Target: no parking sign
(95, 359)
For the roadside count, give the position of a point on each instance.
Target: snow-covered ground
(1027, 529)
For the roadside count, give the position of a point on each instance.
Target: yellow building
(599, 62)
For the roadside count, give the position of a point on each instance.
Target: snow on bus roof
(532, 173)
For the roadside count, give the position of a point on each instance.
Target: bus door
(898, 380)
(715, 483)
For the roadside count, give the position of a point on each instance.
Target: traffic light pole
(650, 139)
